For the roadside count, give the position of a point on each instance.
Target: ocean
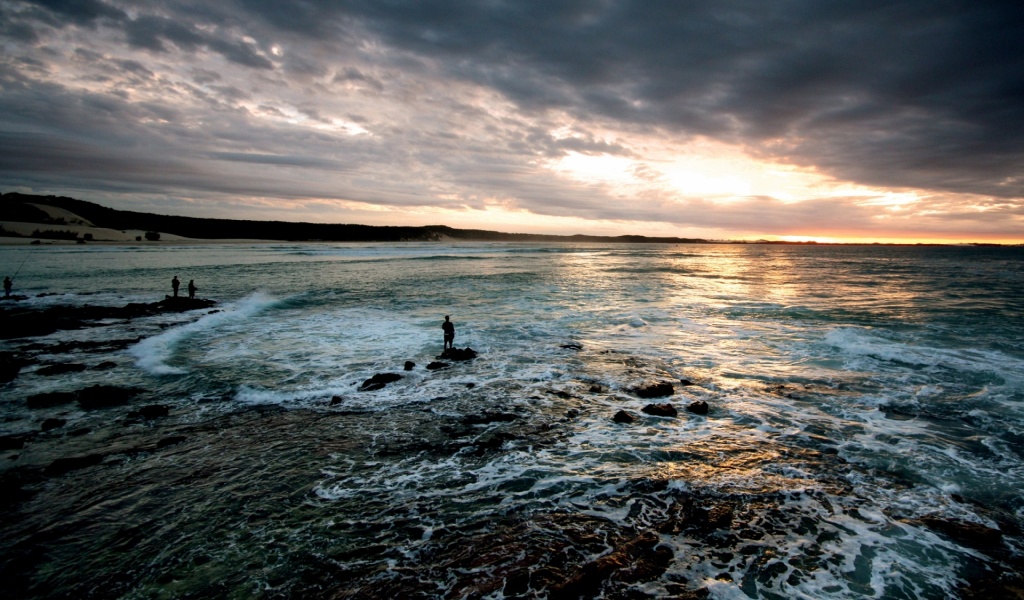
(864, 436)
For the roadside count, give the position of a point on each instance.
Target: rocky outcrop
(437, 365)
(623, 417)
(378, 381)
(661, 410)
(698, 408)
(658, 389)
(104, 396)
(20, 322)
(458, 354)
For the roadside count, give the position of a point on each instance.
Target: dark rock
(974, 535)
(623, 417)
(655, 390)
(10, 366)
(107, 364)
(660, 410)
(170, 441)
(409, 365)
(19, 322)
(698, 408)
(560, 394)
(458, 354)
(336, 400)
(597, 389)
(153, 411)
(15, 441)
(49, 424)
(72, 463)
(572, 413)
(686, 382)
(79, 432)
(437, 365)
(50, 399)
(378, 381)
(573, 346)
(103, 396)
(60, 369)
(470, 385)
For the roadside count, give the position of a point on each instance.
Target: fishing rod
(19, 267)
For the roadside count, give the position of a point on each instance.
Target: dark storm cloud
(921, 94)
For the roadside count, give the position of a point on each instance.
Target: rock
(60, 369)
(103, 366)
(153, 411)
(103, 396)
(458, 354)
(623, 417)
(489, 417)
(436, 365)
(336, 400)
(50, 399)
(170, 441)
(409, 365)
(561, 394)
(10, 366)
(572, 346)
(661, 410)
(15, 441)
(686, 382)
(655, 390)
(698, 408)
(378, 381)
(973, 535)
(597, 389)
(72, 463)
(49, 424)
(470, 385)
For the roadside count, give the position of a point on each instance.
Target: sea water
(858, 395)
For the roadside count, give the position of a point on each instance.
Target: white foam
(153, 354)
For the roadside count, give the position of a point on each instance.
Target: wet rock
(103, 366)
(561, 394)
(378, 381)
(103, 396)
(623, 417)
(60, 369)
(698, 408)
(470, 385)
(10, 366)
(49, 424)
(72, 463)
(572, 346)
(640, 559)
(686, 382)
(15, 441)
(336, 400)
(170, 441)
(409, 365)
(151, 412)
(655, 390)
(458, 354)
(572, 413)
(597, 389)
(661, 410)
(50, 399)
(79, 432)
(437, 365)
(974, 535)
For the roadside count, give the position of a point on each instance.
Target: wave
(153, 354)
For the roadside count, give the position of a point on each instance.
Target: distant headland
(67, 219)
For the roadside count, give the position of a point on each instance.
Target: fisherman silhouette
(8, 284)
(449, 333)
(192, 289)
(174, 285)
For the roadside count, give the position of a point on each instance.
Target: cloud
(463, 105)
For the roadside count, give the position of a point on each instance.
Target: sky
(721, 119)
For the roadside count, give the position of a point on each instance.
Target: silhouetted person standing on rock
(174, 285)
(8, 284)
(449, 333)
(192, 289)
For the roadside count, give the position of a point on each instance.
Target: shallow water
(860, 397)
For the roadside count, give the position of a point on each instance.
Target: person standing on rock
(192, 289)
(449, 333)
(174, 285)
(8, 284)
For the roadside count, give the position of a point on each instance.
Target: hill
(43, 210)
